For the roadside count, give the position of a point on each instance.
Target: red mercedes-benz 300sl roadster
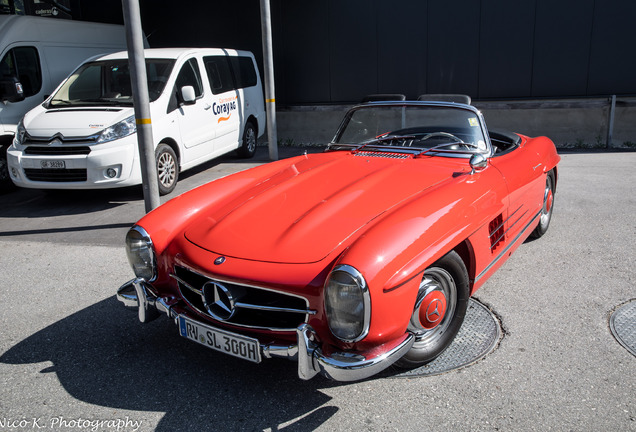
(352, 259)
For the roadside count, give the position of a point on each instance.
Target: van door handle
(207, 107)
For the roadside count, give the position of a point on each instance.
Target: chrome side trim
(507, 248)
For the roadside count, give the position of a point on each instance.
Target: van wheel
(167, 168)
(248, 148)
(5, 180)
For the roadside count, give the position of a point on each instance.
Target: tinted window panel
(189, 75)
(23, 63)
(244, 71)
(219, 73)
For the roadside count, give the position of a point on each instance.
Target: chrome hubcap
(435, 307)
(166, 169)
(548, 198)
(250, 139)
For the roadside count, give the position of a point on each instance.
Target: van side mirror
(187, 95)
(11, 90)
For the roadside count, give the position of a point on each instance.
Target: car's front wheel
(167, 168)
(439, 311)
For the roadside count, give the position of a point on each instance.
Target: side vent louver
(496, 231)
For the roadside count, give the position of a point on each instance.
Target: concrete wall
(569, 123)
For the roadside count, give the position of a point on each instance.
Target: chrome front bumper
(311, 360)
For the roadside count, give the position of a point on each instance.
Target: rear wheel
(548, 205)
(439, 310)
(248, 147)
(167, 168)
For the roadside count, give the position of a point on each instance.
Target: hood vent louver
(383, 154)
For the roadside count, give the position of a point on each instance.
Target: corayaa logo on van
(224, 108)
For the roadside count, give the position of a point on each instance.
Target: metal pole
(610, 121)
(137, 64)
(270, 93)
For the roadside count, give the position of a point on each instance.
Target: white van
(203, 103)
(37, 54)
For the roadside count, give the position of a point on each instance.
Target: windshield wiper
(106, 101)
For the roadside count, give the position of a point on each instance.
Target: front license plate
(220, 340)
(52, 164)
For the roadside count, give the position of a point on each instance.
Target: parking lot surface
(71, 357)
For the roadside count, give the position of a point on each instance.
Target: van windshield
(108, 83)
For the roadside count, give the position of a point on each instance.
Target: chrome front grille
(241, 305)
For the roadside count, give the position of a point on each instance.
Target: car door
(227, 101)
(193, 117)
(522, 170)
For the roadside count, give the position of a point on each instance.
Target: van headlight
(347, 304)
(141, 254)
(20, 134)
(117, 131)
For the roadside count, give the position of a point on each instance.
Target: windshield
(108, 83)
(413, 126)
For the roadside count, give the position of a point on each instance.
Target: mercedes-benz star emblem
(432, 312)
(219, 260)
(218, 301)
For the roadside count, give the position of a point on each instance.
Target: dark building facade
(338, 51)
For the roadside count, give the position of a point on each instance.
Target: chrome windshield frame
(335, 145)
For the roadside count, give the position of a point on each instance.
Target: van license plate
(220, 340)
(52, 164)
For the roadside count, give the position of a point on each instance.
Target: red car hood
(312, 206)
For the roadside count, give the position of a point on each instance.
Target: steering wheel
(442, 134)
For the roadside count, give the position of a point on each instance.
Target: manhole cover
(623, 325)
(477, 337)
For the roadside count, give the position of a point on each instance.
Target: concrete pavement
(71, 356)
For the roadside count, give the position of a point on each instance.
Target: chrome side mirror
(478, 162)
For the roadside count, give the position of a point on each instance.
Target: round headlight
(141, 255)
(347, 304)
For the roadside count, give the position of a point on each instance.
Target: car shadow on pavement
(102, 355)
(33, 203)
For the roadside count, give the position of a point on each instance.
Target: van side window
(23, 63)
(228, 73)
(219, 73)
(189, 75)
(244, 72)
